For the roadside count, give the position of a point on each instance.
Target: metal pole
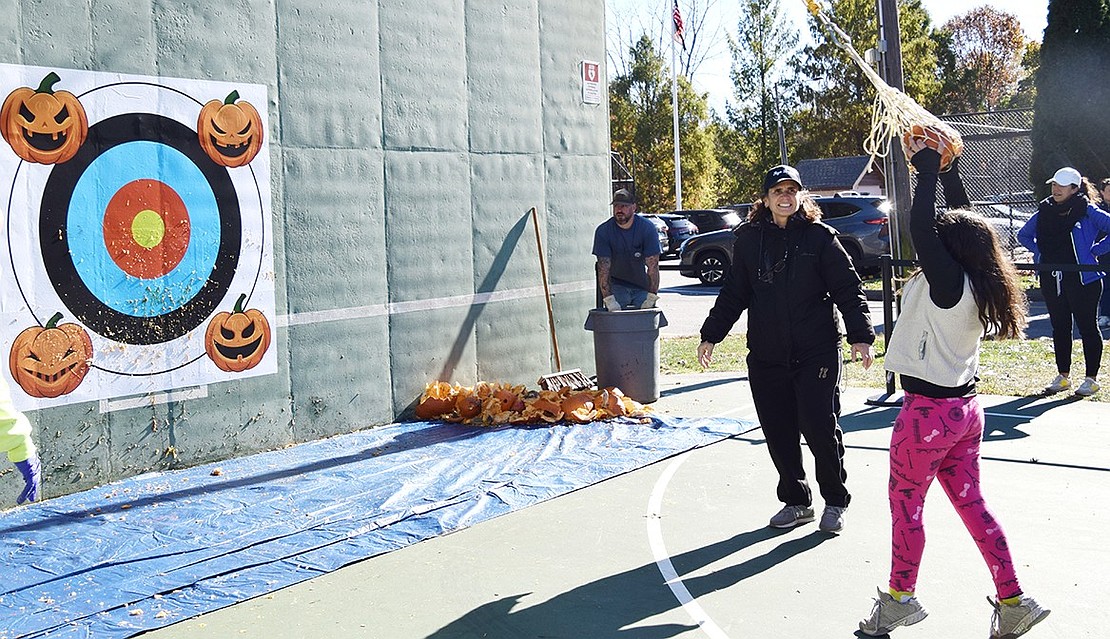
(891, 397)
(674, 111)
(782, 133)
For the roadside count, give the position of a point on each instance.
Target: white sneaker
(1010, 622)
(1061, 383)
(888, 613)
(1087, 388)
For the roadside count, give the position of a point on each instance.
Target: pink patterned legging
(931, 438)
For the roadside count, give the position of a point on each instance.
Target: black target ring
(72, 289)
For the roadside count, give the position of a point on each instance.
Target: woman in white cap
(1065, 230)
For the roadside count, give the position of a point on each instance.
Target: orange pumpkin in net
(943, 139)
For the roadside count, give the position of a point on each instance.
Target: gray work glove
(652, 298)
(611, 303)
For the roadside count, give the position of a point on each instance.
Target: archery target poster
(136, 251)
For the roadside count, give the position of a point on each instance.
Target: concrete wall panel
(428, 226)
(504, 96)
(124, 45)
(572, 31)
(330, 81)
(217, 40)
(334, 229)
(56, 33)
(340, 372)
(423, 53)
(431, 345)
(514, 343)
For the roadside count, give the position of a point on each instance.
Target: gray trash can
(626, 350)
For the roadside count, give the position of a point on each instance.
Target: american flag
(679, 33)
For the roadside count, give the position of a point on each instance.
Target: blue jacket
(1084, 236)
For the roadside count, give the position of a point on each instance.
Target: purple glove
(31, 470)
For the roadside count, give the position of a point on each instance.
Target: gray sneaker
(832, 520)
(889, 613)
(791, 516)
(1009, 622)
(1061, 383)
(1087, 388)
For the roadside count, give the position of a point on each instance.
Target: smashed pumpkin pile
(498, 403)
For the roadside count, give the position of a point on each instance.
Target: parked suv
(661, 228)
(679, 229)
(860, 222)
(708, 220)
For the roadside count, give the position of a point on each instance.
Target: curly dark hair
(994, 280)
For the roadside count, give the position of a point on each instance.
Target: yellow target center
(148, 228)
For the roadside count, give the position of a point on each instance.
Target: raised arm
(945, 275)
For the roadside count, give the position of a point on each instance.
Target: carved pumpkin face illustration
(230, 132)
(50, 361)
(42, 125)
(237, 341)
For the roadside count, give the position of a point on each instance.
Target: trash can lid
(638, 319)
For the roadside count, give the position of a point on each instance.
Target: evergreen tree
(1069, 117)
(760, 58)
(642, 131)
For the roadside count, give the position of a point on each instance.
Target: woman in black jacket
(789, 272)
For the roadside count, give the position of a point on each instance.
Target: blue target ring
(106, 175)
(114, 304)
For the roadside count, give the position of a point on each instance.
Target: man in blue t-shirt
(627, 250)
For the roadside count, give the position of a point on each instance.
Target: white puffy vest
(938, 345)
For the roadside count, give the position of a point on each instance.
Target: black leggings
(1073, 299)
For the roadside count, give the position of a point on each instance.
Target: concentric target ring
(80, 231)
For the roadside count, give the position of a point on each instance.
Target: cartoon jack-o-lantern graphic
(51, 360)
(237, 341)
(43, 125)
(230, 132)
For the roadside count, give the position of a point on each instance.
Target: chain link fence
(995, 169)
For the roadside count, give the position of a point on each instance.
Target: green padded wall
(409, 141)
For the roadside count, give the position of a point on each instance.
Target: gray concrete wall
(408, 141)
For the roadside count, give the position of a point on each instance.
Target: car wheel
(712, 267)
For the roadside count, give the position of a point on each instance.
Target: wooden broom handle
(546, 291)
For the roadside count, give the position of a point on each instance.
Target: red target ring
(146, 228)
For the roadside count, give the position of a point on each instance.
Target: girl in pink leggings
(938, 438)
(966, 287)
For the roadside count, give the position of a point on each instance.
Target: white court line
(663, 558)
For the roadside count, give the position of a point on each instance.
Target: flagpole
(674, 111)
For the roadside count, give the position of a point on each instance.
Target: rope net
(894, 114)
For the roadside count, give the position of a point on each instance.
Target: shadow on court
(605, 608)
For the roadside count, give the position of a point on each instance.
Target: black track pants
(1073, 300)
(802, 399)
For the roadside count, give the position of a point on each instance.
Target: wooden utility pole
(896, 168)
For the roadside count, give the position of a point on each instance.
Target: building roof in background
(834, 173)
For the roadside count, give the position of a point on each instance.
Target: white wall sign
(591, 82)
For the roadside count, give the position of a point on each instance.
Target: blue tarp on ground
(156, 549)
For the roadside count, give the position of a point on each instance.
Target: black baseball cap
(781, 173)
(623, 196)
